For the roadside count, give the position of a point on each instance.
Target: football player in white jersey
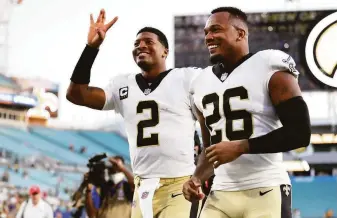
(250, 110)
(156, 108)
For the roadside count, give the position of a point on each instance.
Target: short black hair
(235, 12)
(161, 36)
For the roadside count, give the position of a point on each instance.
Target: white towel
(145, 194)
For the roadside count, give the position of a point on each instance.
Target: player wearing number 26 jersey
(250, 110)
(156, 108)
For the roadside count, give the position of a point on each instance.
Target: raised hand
(98, 29)
(118, 164)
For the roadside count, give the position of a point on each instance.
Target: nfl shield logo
(145, 194)
(223, 76)
(147, 91)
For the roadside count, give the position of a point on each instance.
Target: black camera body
(97, 169)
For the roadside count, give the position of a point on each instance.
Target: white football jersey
(237, 106)
(159, 121)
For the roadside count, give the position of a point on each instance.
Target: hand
(89, 186)
(98, 30)
(192, 190)
(225, 152)
(117, 163)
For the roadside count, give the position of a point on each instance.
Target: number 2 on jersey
(229, 114)
(153, 139)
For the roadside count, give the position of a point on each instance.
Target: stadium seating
(54, 143)
(313, 195)
(51, 179)
(51, 149)
(66, 137)
(114, 142)
(18, 180)
(18, 148)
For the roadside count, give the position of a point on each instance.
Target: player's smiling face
(148, 50)
(220, 36)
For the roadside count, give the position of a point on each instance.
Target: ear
(166, 51)
(241, 34)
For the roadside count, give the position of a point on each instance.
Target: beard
(216, 59)
(145, 66)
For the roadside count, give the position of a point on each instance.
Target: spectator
(25, 174)
(296, 213)
(329, 214)
(5, 176)
(58, 215)
(15, 205)
(83, 149)
(71, 147)
(35, 207)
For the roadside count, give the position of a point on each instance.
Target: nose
(141, 45)
(209, 37)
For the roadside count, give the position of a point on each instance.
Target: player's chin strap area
(295, 133)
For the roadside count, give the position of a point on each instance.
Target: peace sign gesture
(98, 29)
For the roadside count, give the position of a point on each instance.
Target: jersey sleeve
(191, 74)
(110, 95)
(280, 61)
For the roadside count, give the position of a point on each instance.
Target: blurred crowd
(12, 197)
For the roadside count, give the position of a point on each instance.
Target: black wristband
(295, 133)
(81, 74)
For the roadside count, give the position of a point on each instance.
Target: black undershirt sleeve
(81, 74)
(295, 132)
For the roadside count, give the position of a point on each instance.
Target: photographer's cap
(34, 190)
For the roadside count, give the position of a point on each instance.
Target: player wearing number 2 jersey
(252, 110)
(156, 108)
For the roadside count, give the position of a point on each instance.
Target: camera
(97, 169)
(96, 176)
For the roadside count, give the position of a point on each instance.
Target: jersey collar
(222, 73)
(145, 87)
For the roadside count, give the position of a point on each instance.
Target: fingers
(216, 164)
(92, 22)
(210, 149)
(100, 16)
(111, 23)
(212, 156)
(212, 160)
(211, 152)
(112, 160)
(195, 182)
(201, 195)
(193, 191)
(103, 16)
(190, 191)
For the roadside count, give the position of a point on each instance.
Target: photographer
(109, 189)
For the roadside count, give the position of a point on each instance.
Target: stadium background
(46, 140)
